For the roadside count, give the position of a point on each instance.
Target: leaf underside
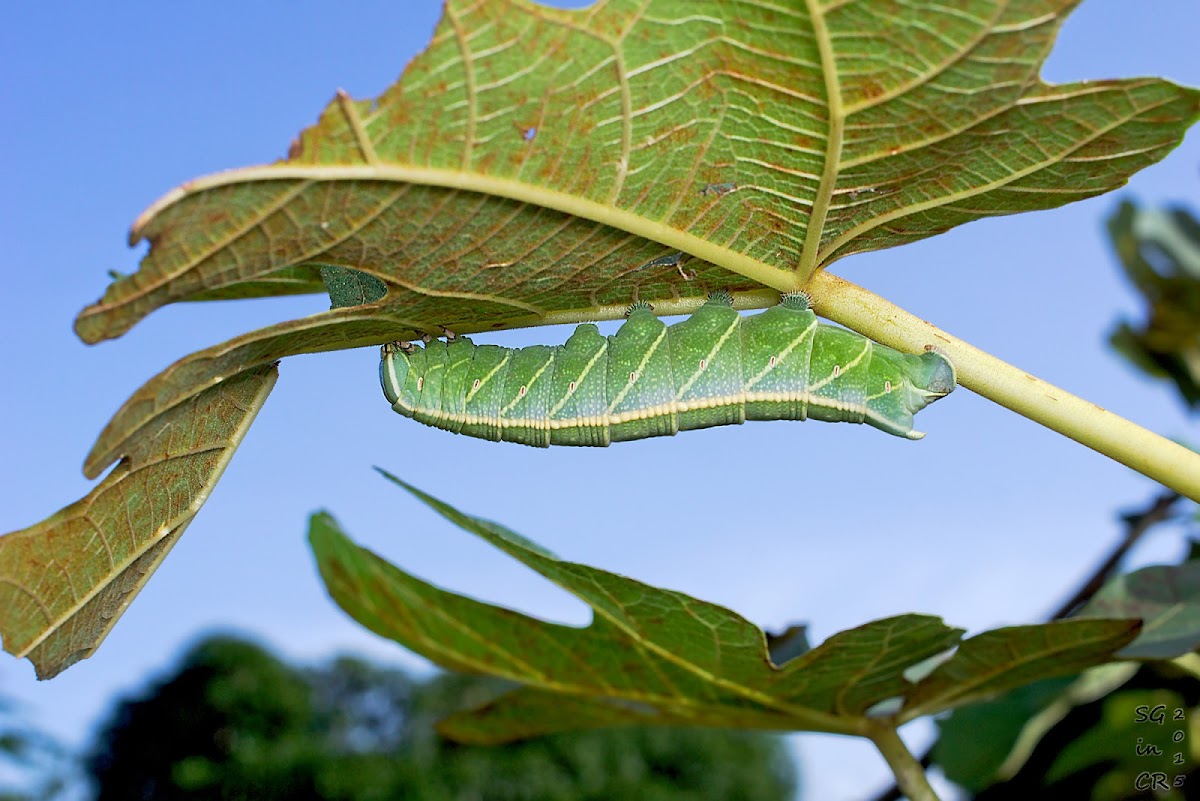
(535, 165)
(489, 188)
(104, 546)
(531, 159)
(653, 656)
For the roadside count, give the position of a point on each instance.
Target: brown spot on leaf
(871, 88)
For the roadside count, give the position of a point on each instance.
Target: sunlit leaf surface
(653, 656)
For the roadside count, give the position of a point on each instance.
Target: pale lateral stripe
(661, 409)
(389, 370)
(473, 391)
(529, 384)
(721, 340)
(883, 394)
(639, 369)
(607, 420)
(784, 353)
(587, 369)
(852, 363)
(890, 426)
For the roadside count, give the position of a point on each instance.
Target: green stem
(910, 776)
(1166, 462)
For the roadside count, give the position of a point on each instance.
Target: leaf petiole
(1155, 457)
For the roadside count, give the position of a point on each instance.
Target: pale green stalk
(1166, 462)
(910, 776)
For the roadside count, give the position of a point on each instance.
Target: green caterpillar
(649, 380)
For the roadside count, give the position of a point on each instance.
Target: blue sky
(990, 520)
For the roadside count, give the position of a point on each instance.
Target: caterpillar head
(933, 377)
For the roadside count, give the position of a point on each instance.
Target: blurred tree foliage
(1160, 251)
(235, 722)
(1098, 736)
(33, 765)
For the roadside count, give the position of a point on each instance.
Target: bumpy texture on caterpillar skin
(648, 380)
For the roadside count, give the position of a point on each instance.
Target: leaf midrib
(959, 691)
(632, 222)
(813, 230)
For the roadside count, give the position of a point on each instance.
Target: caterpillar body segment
(714, 368)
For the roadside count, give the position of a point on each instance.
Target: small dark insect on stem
(718, 189)
(670, 260)
(1136, 525)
